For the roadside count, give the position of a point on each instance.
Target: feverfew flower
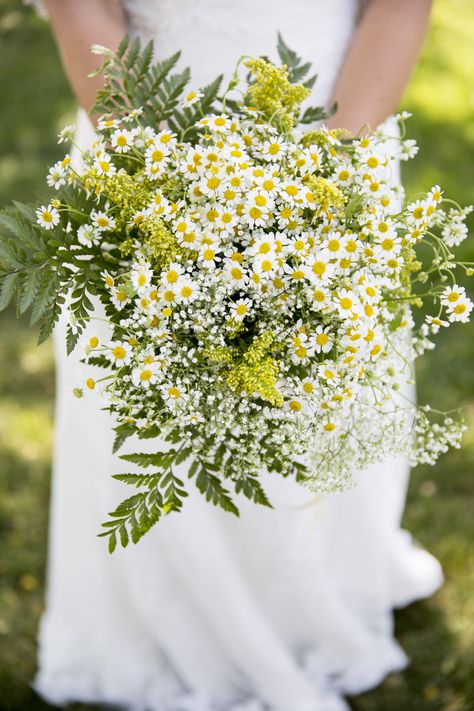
(47, 217)
(102, 221)
(119, 353)
(141, 277)
(121, 140)
(88, 235)
(67, 133)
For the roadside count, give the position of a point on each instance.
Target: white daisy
(47, 216)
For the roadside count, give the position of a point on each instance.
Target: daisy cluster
(262, 298)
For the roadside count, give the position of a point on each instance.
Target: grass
(437, 634)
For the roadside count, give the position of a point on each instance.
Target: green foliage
(298, 73)
(132, 81)
(162, 492)
(297, 70)
(251, 487)
(209, 484)
(29, 273)
(38, 269)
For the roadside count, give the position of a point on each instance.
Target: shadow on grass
(436, 680)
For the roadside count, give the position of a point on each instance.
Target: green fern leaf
(8, 286)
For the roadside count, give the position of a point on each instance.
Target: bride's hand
(379, 62)
(77, 26)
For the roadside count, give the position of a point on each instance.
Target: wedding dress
(286, 610)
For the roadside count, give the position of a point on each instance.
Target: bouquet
(259, 273)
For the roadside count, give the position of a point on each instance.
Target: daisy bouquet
(258, 272)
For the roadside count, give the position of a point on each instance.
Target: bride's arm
(379, 62)
(78, 25)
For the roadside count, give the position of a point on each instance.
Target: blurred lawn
(438, 634)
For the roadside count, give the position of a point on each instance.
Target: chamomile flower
(309, 386)
(90, 343)
(47, 217)
(347, 303)
(218, 123)
(267, 181)
(173, 394)
(104, 166)
(319, 266)
(263, 244)
(409, 149)
(191, 98)
(186, 290)
(452, 295)
(157, 155)
(67, 133)
(343, 175)
(434, 323)
(106, 124)
(56, 176)
(171, 275)
(266, 265)
(322, 339)
(139, 218)
(255, 216)
(165, 138)
(109, 281)
(209, 256)
(102, 221)
(260, 199)
(88, 235)
(273, 150)
(146, 374)
(140, 277)
(119, 297)
(119, 353)
(235, 272)
(461, 310)
(121, 140)
(297, 273)
(302, 348)
(240, 309)
(328, 372)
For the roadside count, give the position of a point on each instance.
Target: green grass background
(438, 634)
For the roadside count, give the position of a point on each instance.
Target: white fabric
(284, 610)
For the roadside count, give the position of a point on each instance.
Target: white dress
(283, 610)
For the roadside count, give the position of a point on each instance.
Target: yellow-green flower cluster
(257, 372)
(130, 193)
(161, 244)
(274, 95)
(220, 354)
(328, 197)
(317, 137)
